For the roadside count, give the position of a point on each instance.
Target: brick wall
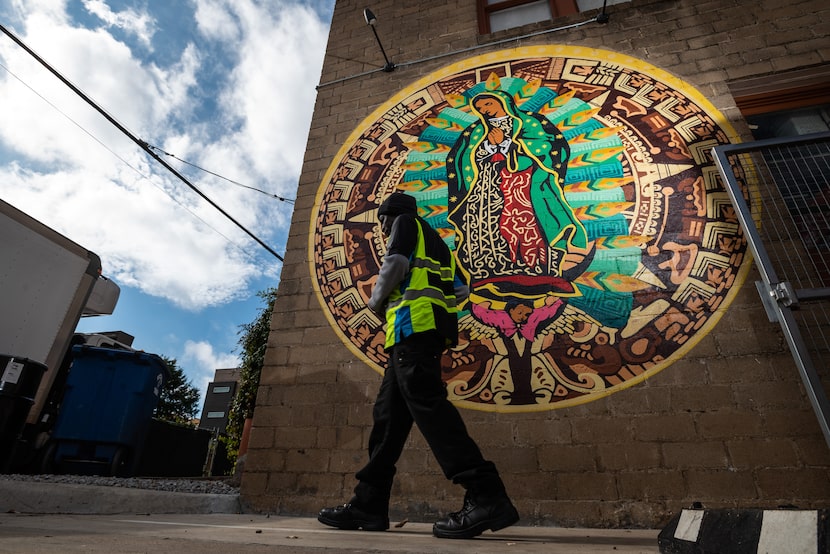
(728, 425)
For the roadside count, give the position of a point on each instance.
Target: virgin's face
(490, 107)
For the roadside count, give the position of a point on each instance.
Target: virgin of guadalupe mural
(580, 202)
(519, 240)
(506, 198)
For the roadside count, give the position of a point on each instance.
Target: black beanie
(398, 203)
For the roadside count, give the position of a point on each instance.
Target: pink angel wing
(495, 318)
(538, 316)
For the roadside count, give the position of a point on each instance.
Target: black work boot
(476, 516)
(350, 517)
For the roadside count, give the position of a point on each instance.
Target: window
(498, 15)
(215, 415)
(220, 390)
(790, 123)
(788, 105)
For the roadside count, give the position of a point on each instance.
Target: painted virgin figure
(535, 215)
(505, 182)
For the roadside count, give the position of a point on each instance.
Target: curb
(736, 531)
(52, 498)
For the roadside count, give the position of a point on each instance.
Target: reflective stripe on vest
(410, 308)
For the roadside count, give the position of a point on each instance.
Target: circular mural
(577, 191)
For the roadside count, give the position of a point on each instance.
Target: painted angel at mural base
(527, 187)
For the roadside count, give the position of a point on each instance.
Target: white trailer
(47, 282)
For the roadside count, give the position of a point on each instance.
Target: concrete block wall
(728, 425)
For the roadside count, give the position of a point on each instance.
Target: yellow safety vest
(423, 298)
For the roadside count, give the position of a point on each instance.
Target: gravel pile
(205, 486)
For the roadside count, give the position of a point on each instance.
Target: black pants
(412, 390)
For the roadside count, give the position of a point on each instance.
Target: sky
(225, 85)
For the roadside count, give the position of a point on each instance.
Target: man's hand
(378, 308)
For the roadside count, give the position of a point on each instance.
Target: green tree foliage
(179, 399)
(253, 339)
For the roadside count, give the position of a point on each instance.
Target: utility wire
(142, 144)
(599, 18)
(289, 200)
(125, 162)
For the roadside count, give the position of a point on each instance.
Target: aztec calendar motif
(577, 191)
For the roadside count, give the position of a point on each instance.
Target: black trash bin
(19, 381)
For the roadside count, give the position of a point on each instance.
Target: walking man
(417, 291)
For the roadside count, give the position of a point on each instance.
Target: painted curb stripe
(791, 531)
(688, 526)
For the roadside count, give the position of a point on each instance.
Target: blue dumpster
(106, 410)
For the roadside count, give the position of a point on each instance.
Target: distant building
(118, 340)
(220, 394)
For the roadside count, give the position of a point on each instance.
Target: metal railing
(781, 191)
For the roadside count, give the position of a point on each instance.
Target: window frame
(558, 8)
(800, 88)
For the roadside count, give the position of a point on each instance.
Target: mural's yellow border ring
(500, 56)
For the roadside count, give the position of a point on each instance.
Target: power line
(600, 18)
(141, 143)
(289, 200)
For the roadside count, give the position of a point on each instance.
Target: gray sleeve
(392, 272)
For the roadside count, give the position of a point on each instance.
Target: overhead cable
(272, 195)
(600, 18)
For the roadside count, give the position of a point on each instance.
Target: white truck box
(45, 283)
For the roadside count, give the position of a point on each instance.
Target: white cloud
(266, 94)
(140, 24)
(271, 90)
(215, 21)
(55, 9)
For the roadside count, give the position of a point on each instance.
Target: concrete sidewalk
(246, 533)
(66, 518)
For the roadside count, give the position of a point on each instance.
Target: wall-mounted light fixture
(603, 17)
(371, 20)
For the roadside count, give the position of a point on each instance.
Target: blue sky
(228, 85)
